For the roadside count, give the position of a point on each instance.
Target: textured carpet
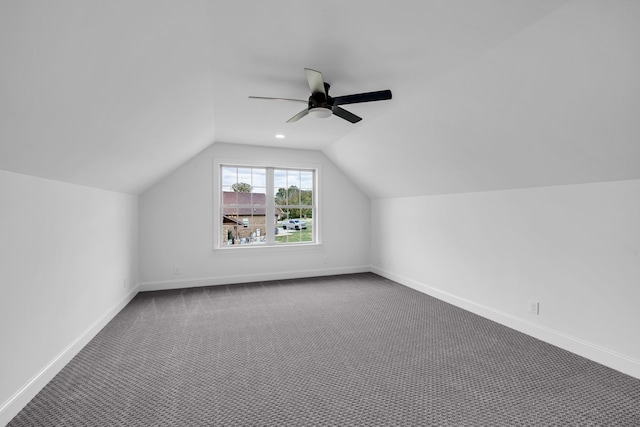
(350, 350)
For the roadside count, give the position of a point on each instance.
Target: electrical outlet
(176, 270)
(534, 307)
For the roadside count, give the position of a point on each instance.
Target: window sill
(245, 249)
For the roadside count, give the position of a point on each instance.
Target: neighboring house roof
(228, 220)
(257, 201)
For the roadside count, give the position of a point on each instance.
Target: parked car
(294, 224)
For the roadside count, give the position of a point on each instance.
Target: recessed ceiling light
(279, 136)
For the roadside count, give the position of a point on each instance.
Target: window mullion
(270, 220)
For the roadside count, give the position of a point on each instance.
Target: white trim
(248, 278)
(285, 247)
(20, 398)
(238, 161)
(594, 352)
(269, 213)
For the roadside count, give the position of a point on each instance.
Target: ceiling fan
(321, 105)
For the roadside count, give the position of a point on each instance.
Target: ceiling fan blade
(298, 116)
(277, 99)
(316, 83)
(348, 116)
(380, 95)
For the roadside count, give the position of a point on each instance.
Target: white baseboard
(248, 278)
(19, 400)
(594, 352)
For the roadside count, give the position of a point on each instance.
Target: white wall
(176, 226)
(65, 254)
(574, 248)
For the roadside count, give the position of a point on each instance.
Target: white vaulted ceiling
(487, 94)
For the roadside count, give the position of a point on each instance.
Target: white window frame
(270, 245)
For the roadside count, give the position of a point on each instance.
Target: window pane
(306, 235)
(296, 229)
(245, 200)
(259, 178)
(293, 179)
(229, 176)
(244, 175)
(280, 196)
(241, 235)
(243, 180)
(306, 180)
(229, 212)
(229, 198)
(280, 178)
(306, 197)
(259, 197)
(294, 195)
(227, 235)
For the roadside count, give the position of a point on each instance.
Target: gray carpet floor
(352, 350)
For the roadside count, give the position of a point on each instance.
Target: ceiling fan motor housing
(320, 103)
(319, 99)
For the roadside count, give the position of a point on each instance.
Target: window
(266, 206)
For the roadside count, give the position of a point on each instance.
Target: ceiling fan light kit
(321, 105)
(320, 112)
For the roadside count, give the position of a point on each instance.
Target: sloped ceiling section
(358, 45)
(556, 103)
(487, 94)
(108, 94)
